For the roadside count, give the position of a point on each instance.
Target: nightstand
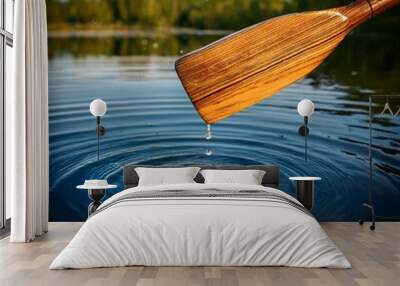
(96, 191)
(305, 190)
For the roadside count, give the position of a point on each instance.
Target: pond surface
(150, 120)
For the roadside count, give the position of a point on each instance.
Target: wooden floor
(375, 257)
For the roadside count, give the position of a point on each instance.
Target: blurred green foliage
(369, 58)
(200, 14)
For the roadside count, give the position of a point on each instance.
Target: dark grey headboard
(271, 177)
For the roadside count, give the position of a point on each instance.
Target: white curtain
(27, 124)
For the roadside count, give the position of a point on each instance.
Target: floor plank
(375, 257)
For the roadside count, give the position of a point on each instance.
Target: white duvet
(200, 231)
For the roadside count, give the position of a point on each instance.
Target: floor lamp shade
(98, 107)
(305, 107)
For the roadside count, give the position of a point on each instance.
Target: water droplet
(208, 133)
(208, 137)
(181, 52)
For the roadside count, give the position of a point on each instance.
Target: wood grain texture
(246, 67)
(374, 255)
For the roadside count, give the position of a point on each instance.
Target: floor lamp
(305, 108)
(98, 108)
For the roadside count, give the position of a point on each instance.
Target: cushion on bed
(248, 177)
(165, 176)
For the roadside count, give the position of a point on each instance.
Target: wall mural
(124, 54)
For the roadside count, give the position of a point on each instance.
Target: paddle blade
(246, 67)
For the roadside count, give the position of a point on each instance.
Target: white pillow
(165, 176)
(248, 177)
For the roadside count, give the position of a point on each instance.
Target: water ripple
(150, 120)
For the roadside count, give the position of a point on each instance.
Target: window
(6, 43)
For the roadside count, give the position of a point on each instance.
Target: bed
(197, 224)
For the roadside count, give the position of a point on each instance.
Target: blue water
(150, 120)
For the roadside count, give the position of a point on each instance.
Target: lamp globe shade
(98, 107)
(305, 107)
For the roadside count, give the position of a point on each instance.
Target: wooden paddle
(248, 66)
